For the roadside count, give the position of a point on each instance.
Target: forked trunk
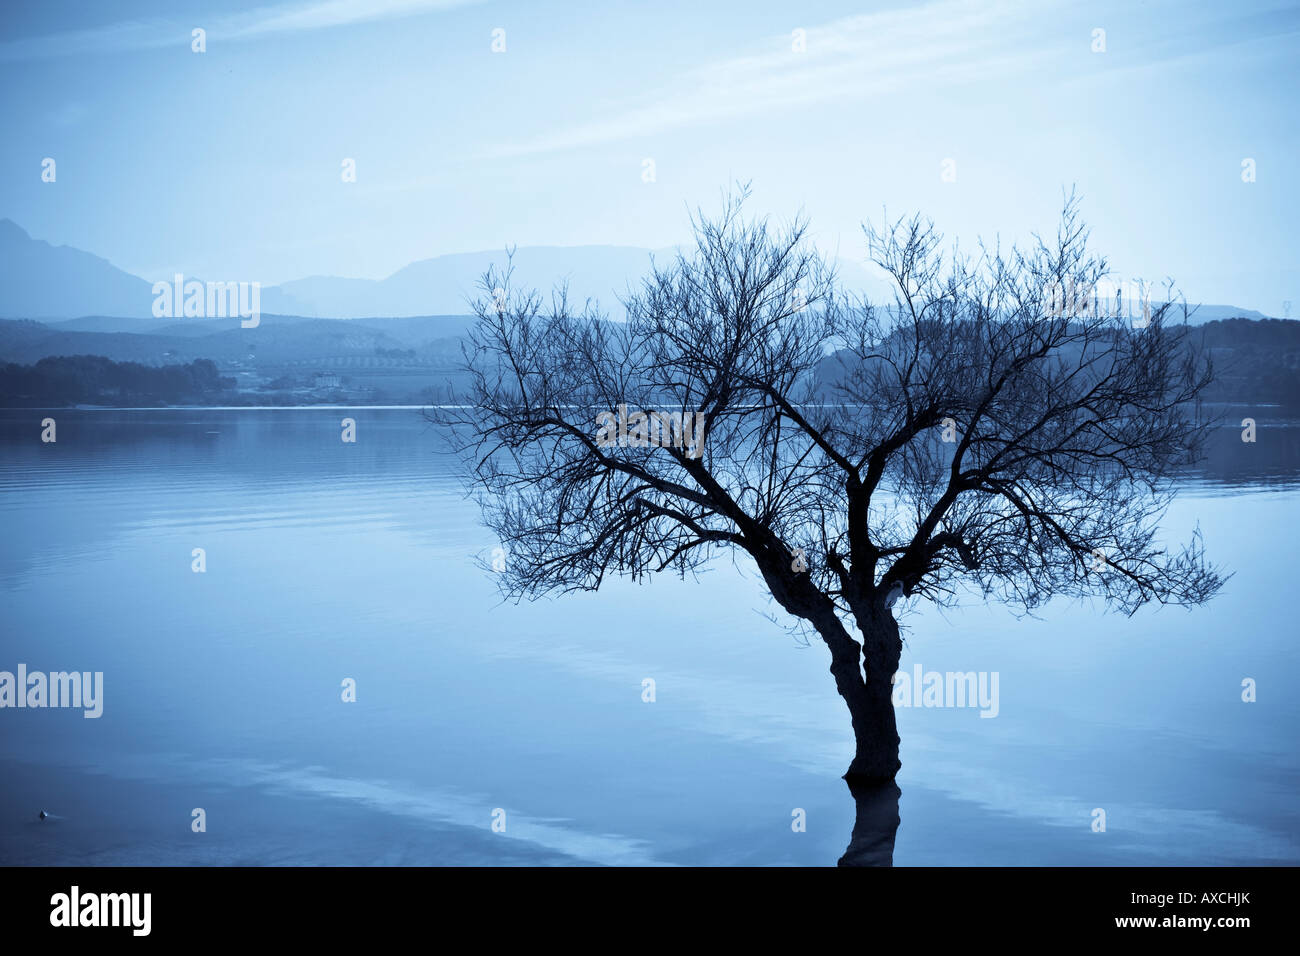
(875, 729)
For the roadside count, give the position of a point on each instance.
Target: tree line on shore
(1256, 361)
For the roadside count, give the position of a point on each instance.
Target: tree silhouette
(981, 432)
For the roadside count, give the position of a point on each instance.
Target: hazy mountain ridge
(46, 282)
(451, 283)
(39, 280)
(61, 284)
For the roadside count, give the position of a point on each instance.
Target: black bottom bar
(334, 904)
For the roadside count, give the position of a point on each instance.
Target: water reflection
(328, 560)
(875, 825)
(1271, 459)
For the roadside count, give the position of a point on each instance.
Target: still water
(327, 561)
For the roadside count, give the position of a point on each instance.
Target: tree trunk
(870, 701)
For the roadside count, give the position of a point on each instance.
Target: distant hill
(40, 281)
(449, 283)
(1255, 361)
(83, 293)
(1218, 313)
(411, 330)
(278, 340)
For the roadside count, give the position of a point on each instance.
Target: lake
(328, 561)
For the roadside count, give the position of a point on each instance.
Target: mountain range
(47, 282)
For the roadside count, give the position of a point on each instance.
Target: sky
(229, 163)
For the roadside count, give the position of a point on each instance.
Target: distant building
(327, 380)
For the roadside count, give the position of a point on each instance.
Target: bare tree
(973, 431)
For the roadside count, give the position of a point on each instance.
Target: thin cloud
(942, 44)
(134, 35)
(950, 40)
